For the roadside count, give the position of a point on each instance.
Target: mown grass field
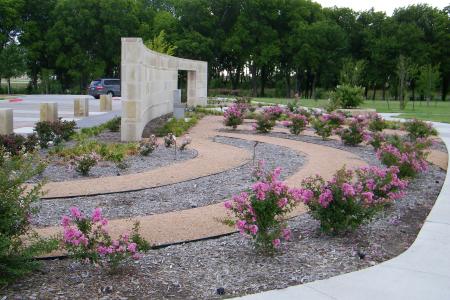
(436, 111)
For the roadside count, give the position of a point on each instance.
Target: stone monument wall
(148, 81)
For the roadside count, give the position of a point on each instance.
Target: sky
(380, 5)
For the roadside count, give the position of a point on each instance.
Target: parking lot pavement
(26, 109)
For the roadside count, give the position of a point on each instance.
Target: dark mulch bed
(196, 270)
(59, 169)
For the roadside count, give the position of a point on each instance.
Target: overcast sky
(380, 5)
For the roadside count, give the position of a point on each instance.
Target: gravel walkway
(364, 152)
(193, 193)
(197, 270)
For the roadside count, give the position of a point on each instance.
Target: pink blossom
(260, 189)
(278, 187)
(276, 243)
(228, 204)
(253, 229)
(240, 224)
(97, 215)
(325, 198)
(282, 202)
(65, 221)
(75, 212)
(286, 232)
(348, 190)
(276, 173)
(368, 196)
(102, 250)
(104, 222)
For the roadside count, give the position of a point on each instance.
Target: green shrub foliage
(16, 209)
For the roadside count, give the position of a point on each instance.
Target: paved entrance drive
(26, 109)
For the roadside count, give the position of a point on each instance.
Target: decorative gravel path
(197, 223)
(194, 193)
(197, 270)
(212, 158)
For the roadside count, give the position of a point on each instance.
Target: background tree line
(287, 46)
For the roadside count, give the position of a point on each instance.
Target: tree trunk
(254, 84)
(308, 84)
(237, 78)
(366, 91)
(400, 94)
(444, 90)
(313, 87)
(9, 86)
(288, 85)
(299, 82)
(263, 80)
(384, 91)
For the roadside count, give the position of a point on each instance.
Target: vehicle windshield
(95, 82)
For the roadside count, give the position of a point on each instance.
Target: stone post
(81, 107)
(6, 120)
(105, 102)
(49, 112)
(178, 107)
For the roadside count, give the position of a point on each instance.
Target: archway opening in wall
(182, 84)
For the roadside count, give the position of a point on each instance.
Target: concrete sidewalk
(421, 272)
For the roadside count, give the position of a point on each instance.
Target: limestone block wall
(148, 80)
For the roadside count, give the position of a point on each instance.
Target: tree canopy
(287, 45)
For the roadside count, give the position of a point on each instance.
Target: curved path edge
(212, 158)
(421, 272)
(204, 222)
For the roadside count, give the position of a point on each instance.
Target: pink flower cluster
(380, 185)
(346, 201)
(372, 185)
(409, 159)
(260, 211)
(274, 112)
(296, 124)
(355, 133)
(88, 238)
(234, 115)
(335, 118)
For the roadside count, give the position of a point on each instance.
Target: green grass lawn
(436, 111)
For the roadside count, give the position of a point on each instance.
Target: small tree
(12, 62)
(428, 81)
(352, 72)
(405, 70)
(17, 206)
(160, 44)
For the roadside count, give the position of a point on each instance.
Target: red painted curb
(15, 100)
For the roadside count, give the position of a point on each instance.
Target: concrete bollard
(6, 120)
(177, 96)
(178, 107)
(81, 107)
(105, 102)
(49, 112)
